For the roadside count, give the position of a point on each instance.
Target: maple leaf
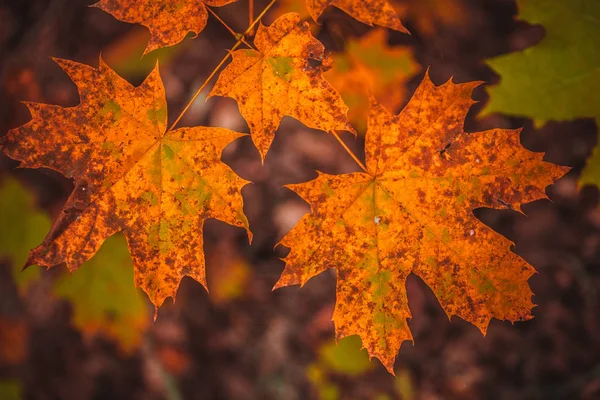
(370, 66)
(370, 12)
(169, 21)
(559, 78)
(412, 213)
(131, 175)
(279, 80)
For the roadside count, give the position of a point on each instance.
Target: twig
(216, 69)
(250, 12)
(234, 33)
(354, 157)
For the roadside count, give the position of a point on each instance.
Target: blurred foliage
(431, 15)
(104, 298)
(10, 390)
(22, 227)
(14, 340)
(348, 359)
(125, 54)
(369, 66)
(228, 274)
(297, 6)
(428, 16)
(403, 384)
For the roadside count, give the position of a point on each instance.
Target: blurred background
(90, 335)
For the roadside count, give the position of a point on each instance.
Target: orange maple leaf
(412, 213)
(131, 175)
(370, 12)
(370, 66)
(169, 21)
(279, 80)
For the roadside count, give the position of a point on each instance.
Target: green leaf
(591, 173)
(559, 78)
(22, 227)
(10, 390)
(104, 297)
(346, 357)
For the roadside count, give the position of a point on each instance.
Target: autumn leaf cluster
(409, 209)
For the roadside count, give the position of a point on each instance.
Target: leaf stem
(218, 67)
(262, 14)
(206, 81)
(250, 12)
(354, 157)
(234, 33)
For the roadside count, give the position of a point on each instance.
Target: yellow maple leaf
(168, 21)
(412, 212)
(278, 80)
(131, 175)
